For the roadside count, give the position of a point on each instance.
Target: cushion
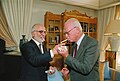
(106, 71)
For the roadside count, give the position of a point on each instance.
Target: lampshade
(113, 27)
(113, 30)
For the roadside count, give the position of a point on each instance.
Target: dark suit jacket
(85, 67)
(2, 46)
(2, 50)
(34, 63)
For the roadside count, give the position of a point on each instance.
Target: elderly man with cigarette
(83, 63)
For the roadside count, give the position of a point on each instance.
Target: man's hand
(65, 72)
(54, 50)
(62, 50)
(51, 70)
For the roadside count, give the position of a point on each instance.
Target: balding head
(73, 22)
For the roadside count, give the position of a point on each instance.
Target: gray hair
(34, 27)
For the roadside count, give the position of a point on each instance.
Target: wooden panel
(111, 57)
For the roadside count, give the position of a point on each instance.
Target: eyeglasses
(41, 31)
(67, 33)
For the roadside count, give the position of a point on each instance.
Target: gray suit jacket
(85, 67)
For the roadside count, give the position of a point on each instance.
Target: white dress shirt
(51, 53)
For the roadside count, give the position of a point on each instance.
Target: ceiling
(93, 4)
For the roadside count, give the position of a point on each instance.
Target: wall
(40, 7)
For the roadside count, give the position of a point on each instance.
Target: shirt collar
(36, 42)
(79, 41)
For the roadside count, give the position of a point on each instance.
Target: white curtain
(4, 32)
(18, 14)
(104, 16)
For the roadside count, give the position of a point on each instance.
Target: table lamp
(113, 31)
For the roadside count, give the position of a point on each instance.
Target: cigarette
(64, 41)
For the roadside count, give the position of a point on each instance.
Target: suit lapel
(35, 46)
(81, 47)
(73, 47)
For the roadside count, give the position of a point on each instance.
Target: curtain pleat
(104, 16)
(4, 30)
(117, 12)
(18, 14)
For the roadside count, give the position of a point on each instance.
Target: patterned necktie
(41, 48)
(75, 51)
